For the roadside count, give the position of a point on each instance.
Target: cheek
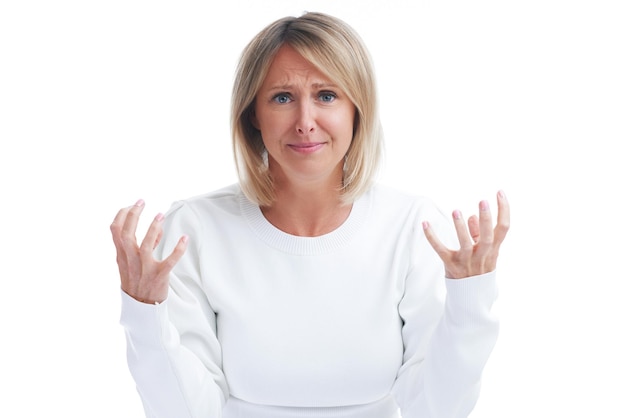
(343, 123)
(272, 124)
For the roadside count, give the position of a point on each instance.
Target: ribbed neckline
(293, 244)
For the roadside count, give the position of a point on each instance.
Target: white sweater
(355, 323)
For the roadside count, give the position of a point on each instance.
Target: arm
(448, 328)
(448, 340)
(173, 352)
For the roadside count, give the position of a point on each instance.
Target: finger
(439, 248)
(118, 223)
(465, 240)
(504, 219)
(474, 230)
(130, 224)
(169, 263)
(152, 236)
(116, 231)
(158, 239)
(485, 225)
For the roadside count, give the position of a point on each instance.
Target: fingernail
(456, 214)
(425, 225)
(501, 194)
(159, 217)
(184, 239)
(139, 203)
(484, 205)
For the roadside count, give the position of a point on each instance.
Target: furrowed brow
(281, 87)
(316, 85)
(323, 85)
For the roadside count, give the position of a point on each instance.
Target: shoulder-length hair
(337, 51)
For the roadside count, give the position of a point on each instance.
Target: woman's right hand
(143, 278)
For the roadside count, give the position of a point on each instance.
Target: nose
(306, 119)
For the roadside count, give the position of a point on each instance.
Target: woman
(306, 290)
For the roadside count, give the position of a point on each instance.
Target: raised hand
(143, 277)
(479, 241)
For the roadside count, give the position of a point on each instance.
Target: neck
(307, 209)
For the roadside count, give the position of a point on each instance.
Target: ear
(252, 118)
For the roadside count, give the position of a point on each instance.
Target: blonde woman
(308, 290)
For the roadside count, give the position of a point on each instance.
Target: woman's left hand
(480, 242)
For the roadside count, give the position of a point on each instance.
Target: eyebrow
(319, 85)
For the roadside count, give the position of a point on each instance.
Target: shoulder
(407, 211)
(224, 199)
(387, 198)
(195, 214)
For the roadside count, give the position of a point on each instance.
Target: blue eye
(281, 98)
(327, 96)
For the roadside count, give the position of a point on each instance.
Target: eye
(327, 96)
(281, 98)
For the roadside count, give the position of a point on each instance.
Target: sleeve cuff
(144, 321)
(469, 300)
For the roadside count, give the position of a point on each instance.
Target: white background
(105, 102)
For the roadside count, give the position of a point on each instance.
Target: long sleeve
(448, 333)
(173, 352)
(309, 326)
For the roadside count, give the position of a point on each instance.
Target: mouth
(306, 148)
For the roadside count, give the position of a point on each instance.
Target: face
(305, 120)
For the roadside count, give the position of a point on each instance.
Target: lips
(306, 148)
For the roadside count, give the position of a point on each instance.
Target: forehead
(289, 64)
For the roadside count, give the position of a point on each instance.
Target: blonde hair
(336, 50)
